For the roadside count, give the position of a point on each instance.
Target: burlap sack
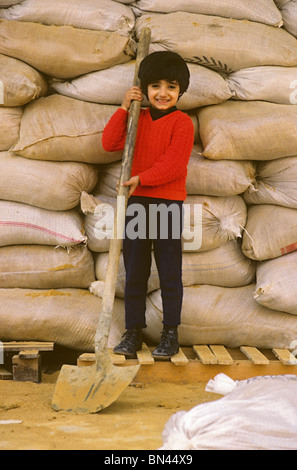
(55, 186)
(275, 183)
(264, 12)
(68, 317)
(10, 121)
(289, 14)
(223, 219)
(276, 284)
(63, 51)
(274, 84)
(271, 231)
(21, 83)
(222, 44)
(225, 266)
(252, 130)
(21, 224)
(105, 15)
(218, 178)
(109, 86)
(63, 129)
(218, 315)
(46, 267)
(99, 221)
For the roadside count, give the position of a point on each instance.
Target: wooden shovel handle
(134, 113)
(105, 318)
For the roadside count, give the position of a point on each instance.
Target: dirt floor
(134, 422)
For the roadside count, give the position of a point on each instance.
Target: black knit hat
(164, 65)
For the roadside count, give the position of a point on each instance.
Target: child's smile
(163, 94)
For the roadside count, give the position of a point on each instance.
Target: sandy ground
(134, 422)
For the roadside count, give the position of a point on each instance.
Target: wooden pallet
(202, 363)
(26, 364)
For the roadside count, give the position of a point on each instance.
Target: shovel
(91, 389)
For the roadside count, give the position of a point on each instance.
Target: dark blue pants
(160, 229)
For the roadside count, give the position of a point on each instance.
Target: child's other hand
(134, 94)
(133, 183)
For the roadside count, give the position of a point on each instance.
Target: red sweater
(162, 152)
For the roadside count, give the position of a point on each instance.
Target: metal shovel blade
(89, 389)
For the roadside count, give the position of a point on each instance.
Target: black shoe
(131, 344)
(168, 346)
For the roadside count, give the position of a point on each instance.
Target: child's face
(163, 94)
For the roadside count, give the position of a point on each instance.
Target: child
(163, 148)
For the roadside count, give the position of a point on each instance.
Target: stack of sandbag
(74, 64)
(50, 148)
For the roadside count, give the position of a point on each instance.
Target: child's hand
(134, 94)
(133, 183)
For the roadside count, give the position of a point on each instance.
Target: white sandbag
(275, 183)
(107, 184)
(251, 130)
(218, 178)
(67, 317)
(276, 284)
(228, 316)
(63, 129)
(223, 385)
(10, 121)
(226, 266)
(274, 84)
(46, 267)
(21, 224)
(265, 12)
(222, 44)
(270, 232)
(55, 186)
(99, 221)
(289, 15)
(109, 86)
(105, 15)
(63, 51)
(223, 219)
(20, 82)
(260, 415)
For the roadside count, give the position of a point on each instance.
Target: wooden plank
(180, 359)
(86, 360)
(285, 356)
(29, 354)
(204, 354)
(221, 354)
(116, 359)
(254, 355)
(27, 369)
(25, 345)
(144, 356)
(196, 372)
(5, 374)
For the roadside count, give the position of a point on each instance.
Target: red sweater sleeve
(114, 134)
(172, 165)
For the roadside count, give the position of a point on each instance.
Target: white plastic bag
(258, 415)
